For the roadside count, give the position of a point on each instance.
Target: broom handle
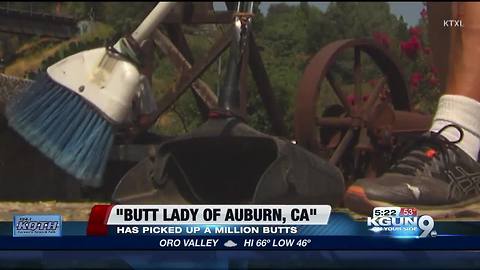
(151, 22)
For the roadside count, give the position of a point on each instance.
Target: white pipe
(151, 22)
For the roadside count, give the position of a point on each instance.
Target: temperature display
(410, 211)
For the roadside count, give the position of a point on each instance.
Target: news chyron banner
(242, 227)
(211, 226)
(247, 226)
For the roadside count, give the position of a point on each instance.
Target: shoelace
(417, 157)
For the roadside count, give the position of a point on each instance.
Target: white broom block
(106, 81)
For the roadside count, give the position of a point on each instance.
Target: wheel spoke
(342, 146)
(357, 77)
(372, 98)
(340, 93)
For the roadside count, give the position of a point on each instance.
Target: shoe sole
(357, 201)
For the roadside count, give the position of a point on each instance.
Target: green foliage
(94, 39)
(351, 20)
(284, 31)
(283, 38)
(124, 19)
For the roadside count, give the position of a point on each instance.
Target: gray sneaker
(432, 174)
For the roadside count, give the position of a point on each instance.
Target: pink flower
(410, 47)
(382, 38)
(365, 97)
(424, 13)
(434, 70)
(351, 99)
(427, 50)
(433, 81)
(415, 31)
(415, 79)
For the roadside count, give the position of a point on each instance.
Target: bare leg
(439, 37)
(459, 71)
(464, 71)
(456, 52)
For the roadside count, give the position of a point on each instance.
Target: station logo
(401, 222)
(37, 226)
(457, 22)
(452, 23)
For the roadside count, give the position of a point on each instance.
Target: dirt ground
(70, 211)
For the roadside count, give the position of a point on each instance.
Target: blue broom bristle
(64, 127)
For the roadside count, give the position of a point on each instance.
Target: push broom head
(70, 112)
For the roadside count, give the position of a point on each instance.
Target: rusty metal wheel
(355, 134)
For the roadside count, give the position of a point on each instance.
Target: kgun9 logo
(394, 219)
